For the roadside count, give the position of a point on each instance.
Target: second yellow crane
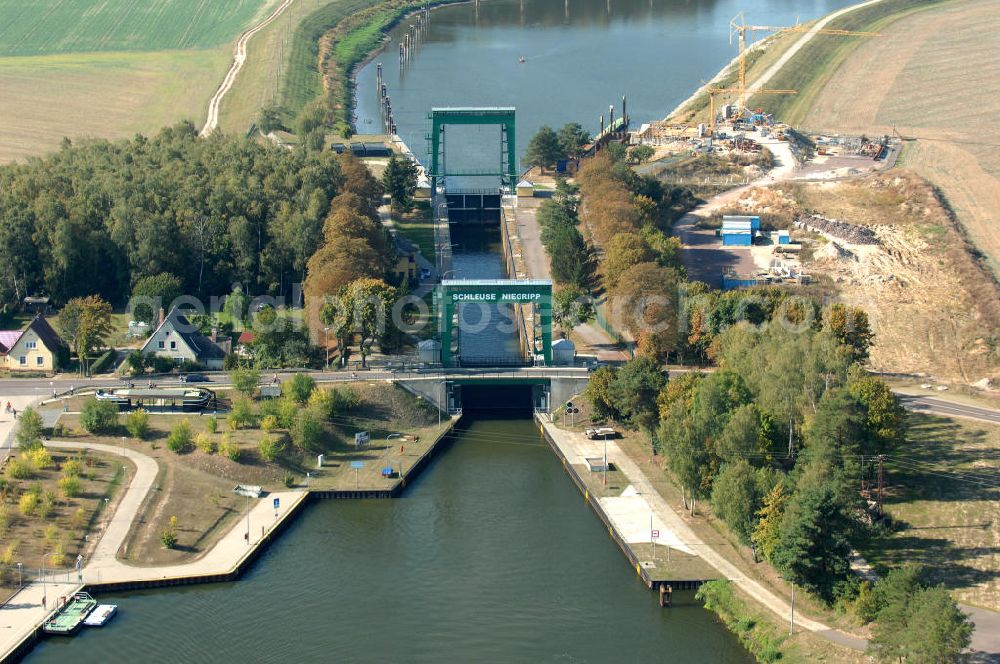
(738, 27)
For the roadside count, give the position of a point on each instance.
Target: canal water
(490, 556)
(579, 57)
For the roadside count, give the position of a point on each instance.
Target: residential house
(177, 338)
(38, 347)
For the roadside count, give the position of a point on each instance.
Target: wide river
(579, 56)
(490, 556)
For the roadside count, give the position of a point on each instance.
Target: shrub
(308, 430)
(137, 423)
(72, 468)
(299, 387)
(180, 437)
(98, 416)
(58, 555)
(323, 402)
(212, 425)
(40, 458)
(229, 449)
(205, 443)
(28, 504)
(51, 534)
(168, 538)
(9, 554)
(161, 364)
(242, 414)
(29, 431)
(269, 423)
(47, 505)
(4, 520)
(70, 486)
(270, 448)
(79, 517)
(288, 479)
(20, 468)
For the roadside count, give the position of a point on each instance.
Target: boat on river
(68, 619)
(101, 615)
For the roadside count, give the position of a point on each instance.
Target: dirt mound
(888, 245)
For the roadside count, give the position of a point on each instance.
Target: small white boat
(101, 615)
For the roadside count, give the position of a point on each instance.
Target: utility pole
(881, 483)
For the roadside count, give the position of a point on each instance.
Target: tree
(307, 432)
(646, 301)
(137, 423)
(917, 624)
(544, 149)
(236, 305)
(298, 387)
(885, 418)
(29, 430)
(160, 290)
(767, 532)
(571, 306)
(813, 550)
(244, 380)
(635, 389)
(737, 493)
(99, 416)
(369, 302)
(640, 153)
(269, 448)
(598, 393)
(86, 324)
(625, 251)
(851, 327)
(572, 138)
(269, 119)
(400, 181)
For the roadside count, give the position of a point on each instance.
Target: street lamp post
(19, 583)
(45, 588)
(326, 333)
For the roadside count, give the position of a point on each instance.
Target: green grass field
(45, 27)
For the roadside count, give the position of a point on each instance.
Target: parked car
(194, 378)
(425, 273)
(600, 433)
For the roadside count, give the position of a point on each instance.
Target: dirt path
(239, 59)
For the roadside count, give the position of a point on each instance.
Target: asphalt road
(938, 406)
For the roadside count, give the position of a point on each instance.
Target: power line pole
(881, 483)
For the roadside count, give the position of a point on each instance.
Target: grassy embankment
(809, 70)
(94, 69)
(942, 497)
(196, 484)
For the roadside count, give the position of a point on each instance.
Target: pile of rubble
(849, 233)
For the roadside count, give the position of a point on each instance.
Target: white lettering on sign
(521, 297)
(475, 297)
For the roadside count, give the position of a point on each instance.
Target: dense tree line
(100, 217)
(778, 439)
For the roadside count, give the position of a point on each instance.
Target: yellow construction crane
(711, 101)
(739, 28)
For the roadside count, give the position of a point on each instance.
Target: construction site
(826, 214)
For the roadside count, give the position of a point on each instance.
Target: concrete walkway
(673, 529)
(24, 613)
(20, 402)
